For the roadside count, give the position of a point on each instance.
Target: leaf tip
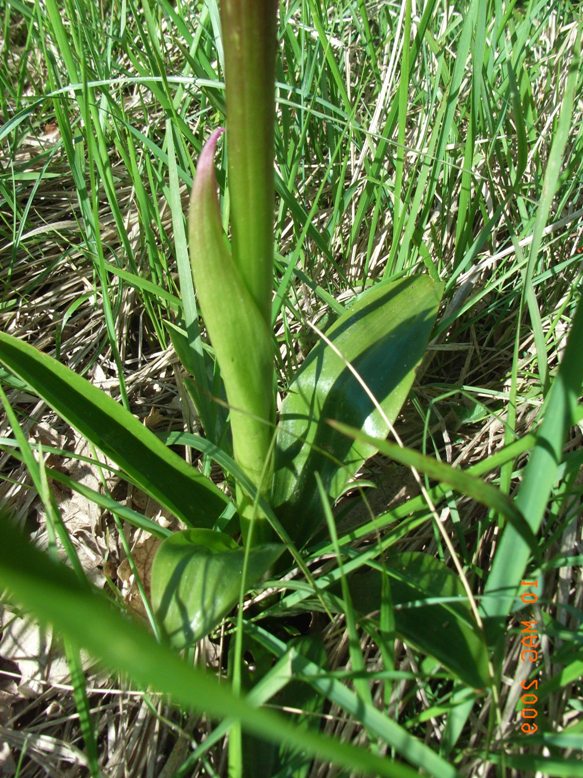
(205, 161)
(205, 169)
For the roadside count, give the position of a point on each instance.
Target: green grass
(444, 137)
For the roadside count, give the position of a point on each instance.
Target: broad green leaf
(156, 469)
(81, 613)
(383, 336)
(443, 630)
(196, 580)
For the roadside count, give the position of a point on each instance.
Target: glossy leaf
(383, 336)
(196, 580)
(81, 613)
(156, 469)
(445, 631)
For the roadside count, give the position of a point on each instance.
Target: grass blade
(462, 481)
(373, 720)
(539, 477)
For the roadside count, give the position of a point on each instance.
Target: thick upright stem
(249, 33)
(234, 286)
(249, 44)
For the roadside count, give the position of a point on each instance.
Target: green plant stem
(249, 35)
(249, 43)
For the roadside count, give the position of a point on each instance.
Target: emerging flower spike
(238, 333)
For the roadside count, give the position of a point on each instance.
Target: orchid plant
(287, 467)
(359, 373)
